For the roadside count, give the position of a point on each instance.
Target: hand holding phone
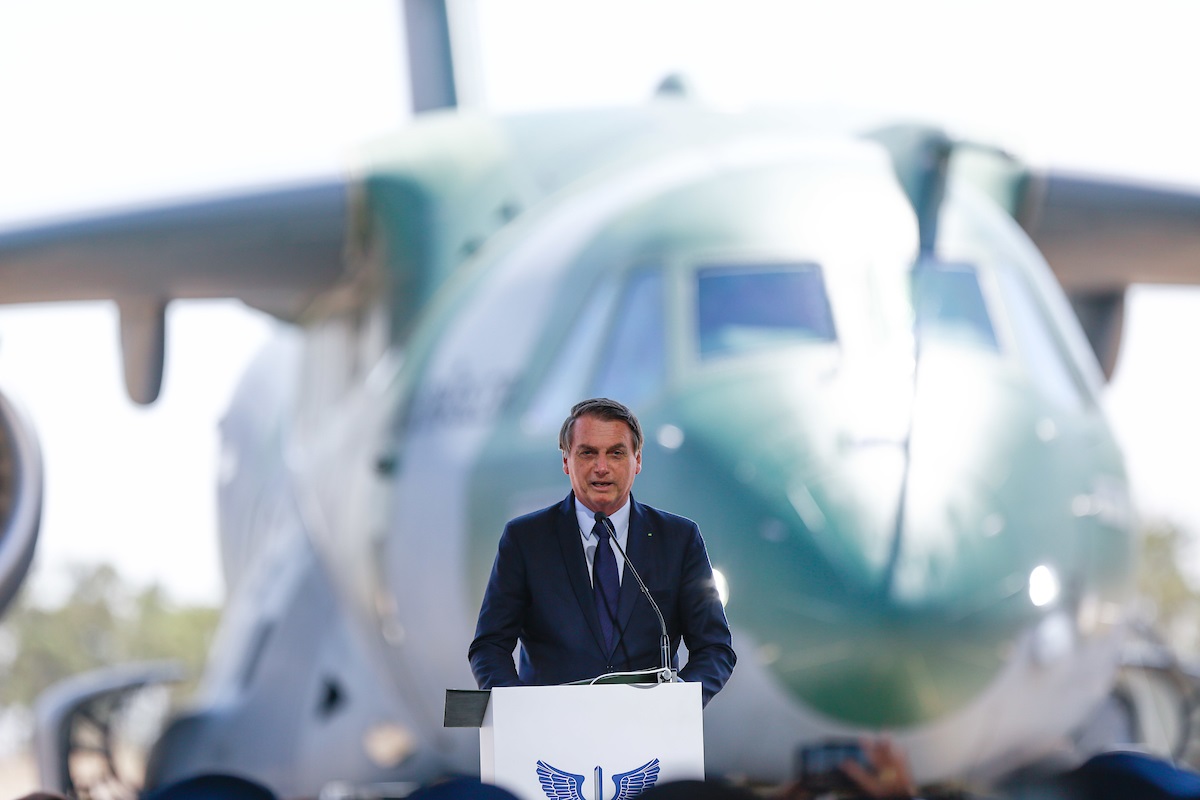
(821, 764)
(874, 768)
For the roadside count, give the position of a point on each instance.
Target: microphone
(665, 673)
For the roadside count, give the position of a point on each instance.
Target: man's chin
(604, 502)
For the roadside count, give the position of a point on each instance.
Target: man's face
(602, 463)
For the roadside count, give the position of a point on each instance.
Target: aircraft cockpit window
(741, 309)
(950, 305)
(633, 360)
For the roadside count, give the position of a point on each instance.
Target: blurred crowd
(880, 773)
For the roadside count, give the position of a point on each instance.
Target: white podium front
(598, 742)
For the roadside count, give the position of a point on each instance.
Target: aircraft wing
(1101, 235)
(273, 248)
(276, 249)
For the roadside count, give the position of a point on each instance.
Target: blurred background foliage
(103, 621)
(1169, 595)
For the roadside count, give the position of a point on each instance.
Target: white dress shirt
(620, 521)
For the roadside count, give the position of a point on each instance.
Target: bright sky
(135, 100)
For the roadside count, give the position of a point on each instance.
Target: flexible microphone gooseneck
(665, 674)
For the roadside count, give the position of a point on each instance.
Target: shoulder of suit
(665, 519)
(542, 519)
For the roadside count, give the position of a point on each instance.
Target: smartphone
(820, 764)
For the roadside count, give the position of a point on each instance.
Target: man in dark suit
(562, 589)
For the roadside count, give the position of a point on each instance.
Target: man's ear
(567, 469)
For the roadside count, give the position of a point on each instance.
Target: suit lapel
(575, 563)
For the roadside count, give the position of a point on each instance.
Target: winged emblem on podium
(561, 785)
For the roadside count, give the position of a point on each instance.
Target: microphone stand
(666, 674)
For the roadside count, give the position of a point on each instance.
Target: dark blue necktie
(605, 583)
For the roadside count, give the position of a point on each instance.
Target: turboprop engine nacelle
(20, 497)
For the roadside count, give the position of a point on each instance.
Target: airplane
(868, 359)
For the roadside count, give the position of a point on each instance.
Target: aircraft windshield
(741, 309)
(633, 361)
(950, 305)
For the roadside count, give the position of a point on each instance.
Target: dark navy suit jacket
(540, 593)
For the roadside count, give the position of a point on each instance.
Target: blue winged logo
(559, 785)
(562, 785)
(632, 783)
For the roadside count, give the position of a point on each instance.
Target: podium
(598, 742)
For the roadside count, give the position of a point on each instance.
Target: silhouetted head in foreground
(696, 790)
(1126, 776)
(462, 789)
(212, 787)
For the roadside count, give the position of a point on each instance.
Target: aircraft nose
(871, 582)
